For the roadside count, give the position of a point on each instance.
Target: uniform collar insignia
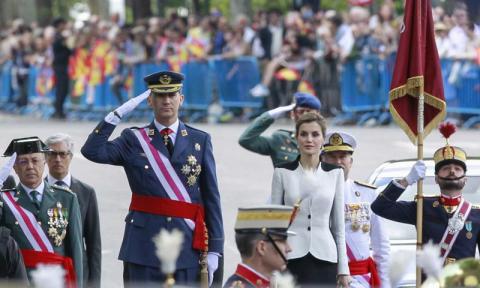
(184, 132)
(151, 132)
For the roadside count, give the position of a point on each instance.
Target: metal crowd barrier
(226, 81)
(365, 84)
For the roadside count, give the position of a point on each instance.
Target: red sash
(173, 208)
(32, 258)
(361, 267)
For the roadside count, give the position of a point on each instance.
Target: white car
(403, 236)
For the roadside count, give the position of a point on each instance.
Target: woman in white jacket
(318, 250)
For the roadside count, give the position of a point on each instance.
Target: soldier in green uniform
(281, 146)
(44, 219)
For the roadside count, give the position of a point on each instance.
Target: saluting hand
(115, 116)
(279, 111)
(5, 171)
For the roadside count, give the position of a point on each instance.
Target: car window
(399, 231)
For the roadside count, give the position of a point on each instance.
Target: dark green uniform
(55, 199)
(281, 146)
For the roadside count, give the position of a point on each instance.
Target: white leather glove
(7, 168)
(212, 262)
(116, 116)
(416, 173)
(277, 112)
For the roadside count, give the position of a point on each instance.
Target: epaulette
(193, 128)
(365, 184)
(63, 188)
(475, 206)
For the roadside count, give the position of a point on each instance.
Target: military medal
(355, 226)
(366, 227)
(435, 204)
(197, 146)
(191, 170)
(468, 226)
(57, 224)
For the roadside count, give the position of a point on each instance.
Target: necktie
(34, 194)
(61, 183)
(167, 140)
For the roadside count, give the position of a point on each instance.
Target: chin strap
(276, 247)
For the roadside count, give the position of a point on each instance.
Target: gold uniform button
(286, 158)
(169, 219)
(146, 166)
(16, 222)
(131, 221)
(40, 222)
(97, 131)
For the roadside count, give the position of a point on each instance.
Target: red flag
(417, 70)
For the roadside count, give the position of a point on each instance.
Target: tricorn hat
(26, 146)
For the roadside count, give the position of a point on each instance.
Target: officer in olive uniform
(365, 230)
(261, 237)
(448, 220)
(281, 146)
(44, 219)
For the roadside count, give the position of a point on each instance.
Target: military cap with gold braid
(26, 146)
(339, 141)
(164, 81)
(449, 154)
(265, 219)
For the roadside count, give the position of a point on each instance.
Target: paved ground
(244, 177)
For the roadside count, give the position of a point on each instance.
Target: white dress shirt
(173, 127)
(39, 189)
(67, 180)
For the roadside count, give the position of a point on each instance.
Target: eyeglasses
(34, 161)
(62, 154)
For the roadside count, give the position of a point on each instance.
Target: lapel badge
(184, 132)
(197, 146)
(191, 170)
(151, 132)
(435, 204)
(357, 193)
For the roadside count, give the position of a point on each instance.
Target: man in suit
(44, 219)
(281, 146)
(364, 230)
(171, 171)
(58, 161)
(261, 237)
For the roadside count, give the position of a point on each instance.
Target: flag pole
(420, 120)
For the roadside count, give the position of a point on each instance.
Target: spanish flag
(417, 70)
(307, 87)
(287, 74)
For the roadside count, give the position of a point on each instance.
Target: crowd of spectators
(305, 46)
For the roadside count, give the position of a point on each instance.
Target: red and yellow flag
(417, 70)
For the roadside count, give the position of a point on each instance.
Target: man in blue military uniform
(448, 220)
(171, 171)
(281, 146)
(261, 237)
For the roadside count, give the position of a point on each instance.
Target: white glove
(6, 169)
(416, 173)
(212, 262)
(115, 116)
(277, 112)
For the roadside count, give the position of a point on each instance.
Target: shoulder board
(193, 128)
(475, 206)
(63, 188)
(137, 128)
(365, 184)
(8, 190)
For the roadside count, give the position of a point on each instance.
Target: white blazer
(319, 223)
